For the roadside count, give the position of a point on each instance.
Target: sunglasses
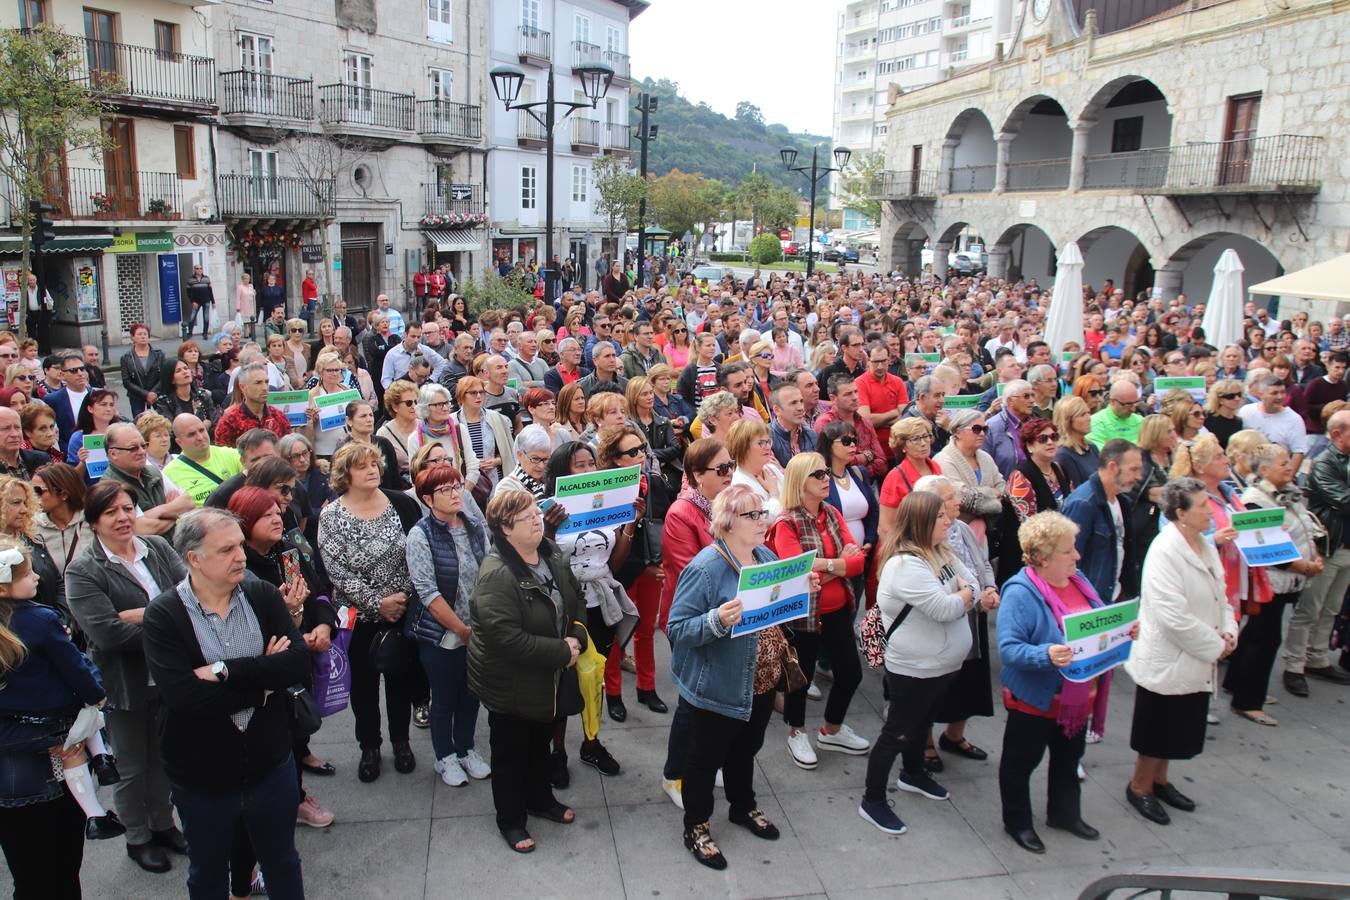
(1047, 437)
(848, 441)
(75, 369)
(639, 450)
(821, 474)
(755, 515)
(722, 470)
(979, 429)
(285, 490)
(407, 403)
(1095, 393)
(1232, 396)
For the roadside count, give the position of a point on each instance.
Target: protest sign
(600, 499)
(1100, 639)
(293, 403)
(1195, 386)
(930, 361)
(772, 593)
(96, 463)
(961, 401)
(1261, 538)
(333, 409)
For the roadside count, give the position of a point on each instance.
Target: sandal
(963, 747)
(1257, 716)
(700, 843)
(515, 837)
(563, 815)
(931, 761)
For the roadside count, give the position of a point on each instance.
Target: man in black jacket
(223, 649)
(201, 297)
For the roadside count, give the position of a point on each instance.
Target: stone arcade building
(1155, 146)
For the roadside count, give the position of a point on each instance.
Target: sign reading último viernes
(772, 593)
(1100, 639)
(1261, 538)
(600, 499)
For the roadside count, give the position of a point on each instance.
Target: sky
(778, 55)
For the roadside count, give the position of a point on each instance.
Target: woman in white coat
(1185, 627)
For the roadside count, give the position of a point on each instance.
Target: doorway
(577, 250)
(119, 168)
(359, 243)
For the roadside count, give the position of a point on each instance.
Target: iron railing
(585, 133)
(1232, 883)
(528, 128)
(1266, 164)
(1132, 169)
(914, 183)
(1039, 175)
(354, 104)
(264, 94)
(440, 198)
(147, 74)
(622, 65)
(275, 196)
(103, 194)
(971, 179)
(445, 118)
(535, 43)
(584, 54)
(618, 138)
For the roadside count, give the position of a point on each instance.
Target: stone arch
(1190, 267)
(1040, 143)
(969, 153)
(1115, 252)
(1122, 118)
(1026, 251)
(907, 244)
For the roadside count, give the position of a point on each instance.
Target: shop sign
(141, 242)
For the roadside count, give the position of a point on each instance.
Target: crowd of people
(179, 580)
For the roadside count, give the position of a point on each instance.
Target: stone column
(998, 260)
(914, 257)
(947, 164)
(1003, 145)
(941, 251)
(1078, 155)
(1167, 278)
(886, 238)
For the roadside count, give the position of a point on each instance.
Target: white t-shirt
(587, 553)
(770, 500)
(1118, 523)
(853, 506)
(76, 401)
(1285, 427)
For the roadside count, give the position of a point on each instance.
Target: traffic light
(44, 229)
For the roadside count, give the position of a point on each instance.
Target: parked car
(713, 274)
(963, 264)
(790, 248)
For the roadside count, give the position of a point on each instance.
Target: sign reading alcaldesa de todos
(601, 499)
(1099, 638)
(773, 592)
(1261, 538)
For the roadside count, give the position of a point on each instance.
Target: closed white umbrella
(1066, 303)
(1223, 310)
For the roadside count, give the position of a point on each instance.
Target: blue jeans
(454, 708)
(267, 810)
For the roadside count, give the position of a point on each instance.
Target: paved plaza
(1269, 797)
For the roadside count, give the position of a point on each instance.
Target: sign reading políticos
(1261, 538)
(774, 592)
(600, 499)
(1099, 639)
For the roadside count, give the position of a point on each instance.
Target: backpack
(874, 639)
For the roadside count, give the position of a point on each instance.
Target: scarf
(807, 528)
(1074, 697)
(700, 502)
(535, 486)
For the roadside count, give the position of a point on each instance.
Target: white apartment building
(354, 123)
(543, 36)
(906, 43)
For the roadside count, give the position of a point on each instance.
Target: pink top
(785, 358)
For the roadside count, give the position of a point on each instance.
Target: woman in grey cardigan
(108, 586)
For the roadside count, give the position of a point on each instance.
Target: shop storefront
(71, 269)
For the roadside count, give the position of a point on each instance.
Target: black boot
(104, 767)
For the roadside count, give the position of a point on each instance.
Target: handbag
(569, 701)
(303, 711)
(647, 542)
(333, 675)
(389, 652)
(874, 640)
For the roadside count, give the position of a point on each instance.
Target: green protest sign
(961, 401)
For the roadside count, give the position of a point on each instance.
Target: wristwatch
(219, 670)
(829, 566)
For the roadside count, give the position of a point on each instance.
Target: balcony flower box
(452, 220)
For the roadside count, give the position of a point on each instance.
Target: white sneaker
(717, 780)
(674, 788)
(813, 692)
(1093, 737)
(845, 740)
(803, 754)
(451, 772)
(1082, 773)
(1212, 718)
(474, 765)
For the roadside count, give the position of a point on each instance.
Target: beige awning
(1325, 281)
(457, 239)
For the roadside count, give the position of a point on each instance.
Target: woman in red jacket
(707, 472)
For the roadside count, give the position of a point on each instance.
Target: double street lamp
(506, 83)
(814, 173)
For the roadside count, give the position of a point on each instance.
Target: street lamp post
(813, 174)
(506, 83)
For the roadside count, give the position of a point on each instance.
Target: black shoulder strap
(897, 622)
(215, 479)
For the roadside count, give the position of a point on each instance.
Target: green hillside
(694, 138)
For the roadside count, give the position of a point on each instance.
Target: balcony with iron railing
(529, 132)
(584, 54)
(971, 179)
(1039, 175)
(621, 64)
(145, 75)
(119, 196)
(460, 123)
(275, 196)
(585, 135)
(535, 45)
(354, 104)
(913, 184)
(444, 199)
(618, 139)
(262, 94)
(1275, 164)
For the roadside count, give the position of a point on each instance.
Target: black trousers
(365, 693)
(835, 638)
(909, 719)
(1258, 644)
(44, 846)
(519, 767)
(1025, 740)
(721, 742)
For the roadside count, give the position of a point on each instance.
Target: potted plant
(103, 203)
(158, 208)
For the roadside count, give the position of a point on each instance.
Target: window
(184, 151)
(612, 39)
(581, 183)
(529, 13)
(255, 53)
(166, 40)
(1239, 134)
(357, 74)
(1127, 134)
(100, 33)
(528, 184)
(32, 13)
(438, 21)
(440, 84)
(581, 29)
(262, 169)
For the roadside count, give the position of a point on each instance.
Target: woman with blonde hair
(297, 347)
(19, 510)
(823, 356)
(1187, 416)
(912, 443)
(973, 470)
(751, 448)
(606, 409)
(1240, 448)
(156, 431)
(1222, 402)
(400, 429)
(1076, 455)
(329, 368)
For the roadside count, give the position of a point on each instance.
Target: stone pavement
(1268, 797)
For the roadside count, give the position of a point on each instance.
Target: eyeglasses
(25, 377)
(74, 369)
(285, 490)
(919, 439)
(1095, 393)
(1231, 396)
(39, 491)
(755, 515)
(848, 440)
(406, 403)
(1197, 411)
(639, 450)
(978, 429)
(1047, 437)
(764, 445)
(681, 331)
(474, 393)
(134, 448)
(297, 454)
(821, 474)
(297, 331)
(722, 469)
(538, 460)
(452, 489)
(548, 341)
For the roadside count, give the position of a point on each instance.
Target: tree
(50, 108)
(857, 182)
(317, 160)
(679, 201)
(778, 208)
(765, 249)
(619, 190)
(749, 113)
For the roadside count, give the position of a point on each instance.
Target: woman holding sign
(330, 368)
(1185, 627)
(97, 413)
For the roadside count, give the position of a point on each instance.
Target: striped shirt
(236, 636)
